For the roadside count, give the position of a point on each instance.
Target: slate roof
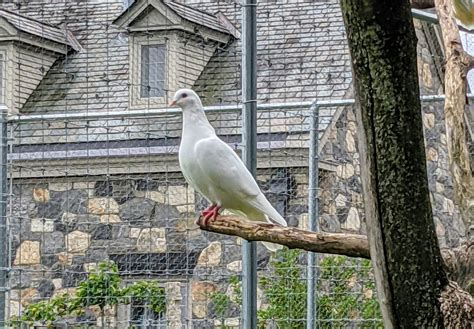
(198, 16)
(39, 29)
(302, 55)
(95, 78)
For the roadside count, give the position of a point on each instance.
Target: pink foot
(210, 212)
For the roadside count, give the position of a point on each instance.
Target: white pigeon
(213, 169)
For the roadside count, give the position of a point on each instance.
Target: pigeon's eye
(184, 95)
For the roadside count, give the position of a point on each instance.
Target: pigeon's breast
(192, 172)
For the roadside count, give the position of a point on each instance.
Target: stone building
(100, 185)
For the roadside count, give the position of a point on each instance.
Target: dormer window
(153, 64)
(23, 39)
(169, 45)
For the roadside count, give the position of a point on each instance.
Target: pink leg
(210, 212)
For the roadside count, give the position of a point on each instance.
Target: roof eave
(206, 32)
(32, 40)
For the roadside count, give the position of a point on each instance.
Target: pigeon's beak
(172, 103)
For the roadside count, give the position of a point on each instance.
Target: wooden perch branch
(459, 262)
(352, 245)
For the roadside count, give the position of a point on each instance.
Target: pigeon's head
(186, 99)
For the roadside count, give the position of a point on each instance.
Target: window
(141, 317)
(152, 71)
(152, 80)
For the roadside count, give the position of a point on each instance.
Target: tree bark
(422, 4)
(457, 307)
(458, 63)
(406, 258)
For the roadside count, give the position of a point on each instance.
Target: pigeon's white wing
(223, 168)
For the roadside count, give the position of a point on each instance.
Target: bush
(345, 294)
(102, 288)
(285, 292)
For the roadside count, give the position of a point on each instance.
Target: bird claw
(210, 213)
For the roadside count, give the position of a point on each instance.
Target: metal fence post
(313, 210)
(249, 154)
(3, 214)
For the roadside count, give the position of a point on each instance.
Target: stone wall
(61, 229)
(449, 225)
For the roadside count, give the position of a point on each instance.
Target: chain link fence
(100, 221)
(111, 190)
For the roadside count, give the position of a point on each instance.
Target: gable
(151, 17)
(141, 13)
(4, 32)
(6, 29)
(154, 15)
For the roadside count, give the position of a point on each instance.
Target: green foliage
(285, 292)
(222, 302)
(46, 312)
(43, 312)
(146, 292)
(101, 288)
(339, 298)
(234, 282)
(341, 280)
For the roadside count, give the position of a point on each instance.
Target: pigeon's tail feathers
(273, 247)
(257, 216)
(272, 215)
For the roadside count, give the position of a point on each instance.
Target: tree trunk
(404, 248)
(457, 64)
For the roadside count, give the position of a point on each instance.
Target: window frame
(158, 323)
(142, 49)
(125, 311)
(135, 72)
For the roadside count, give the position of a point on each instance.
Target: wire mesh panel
(101, 222)
(78, 203)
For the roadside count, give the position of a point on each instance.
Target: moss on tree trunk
(383, 48)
